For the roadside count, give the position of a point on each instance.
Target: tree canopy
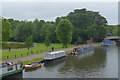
(64, 32)
(85, 24)
(6, 30)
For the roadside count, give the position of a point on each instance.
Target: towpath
(28, 58)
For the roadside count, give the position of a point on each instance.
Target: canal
(100, 63)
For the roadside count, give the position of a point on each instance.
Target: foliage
(113, 29)
(15, 45)
(19, 32)
(6, 30)
(85, 24)
(49, 32)
(28, 42)
(64, 32)
(79, 40)
(47, 41)
(37, 32)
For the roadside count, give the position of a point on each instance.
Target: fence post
(7, 57)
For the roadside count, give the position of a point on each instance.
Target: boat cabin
(54, 55)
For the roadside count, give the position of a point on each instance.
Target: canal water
(100, 63)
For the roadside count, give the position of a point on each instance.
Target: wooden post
(7, 57)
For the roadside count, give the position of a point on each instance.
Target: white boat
(54, 55)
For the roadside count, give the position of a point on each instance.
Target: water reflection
(100, 63)
(79, 66)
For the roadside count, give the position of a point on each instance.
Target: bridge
(112, 37)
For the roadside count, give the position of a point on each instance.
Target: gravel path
(28, 58)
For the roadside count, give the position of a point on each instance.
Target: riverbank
(69, 51)
(41, 48)
(29, 59)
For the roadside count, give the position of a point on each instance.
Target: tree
(37, 32)
(28, 42)
(64, 32)
(27, 29)
(49, 30)
(0, 31)
(6, 30)
(47, 41)
(18, 33)
(82, 20)
(79, 40)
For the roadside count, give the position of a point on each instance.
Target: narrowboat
(33, 65)
(108, 43)
(54, 55)
(8, 68)
(78, 50)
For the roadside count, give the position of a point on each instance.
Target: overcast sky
(48, 11)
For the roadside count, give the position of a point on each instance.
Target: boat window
(10, 68)
(48, 55)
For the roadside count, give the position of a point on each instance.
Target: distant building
(110, 34)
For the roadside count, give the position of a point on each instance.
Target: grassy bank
(33, 60)
(41, 48)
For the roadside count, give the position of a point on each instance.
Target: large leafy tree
(64, 32)
(19, 32)
(6, 30)
(47, 41)
(87, 24)
(0, 30)
(37, 32)
(28, 42)
(49, 31)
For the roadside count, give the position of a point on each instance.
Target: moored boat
(54, 55)
(108, 43)
(8, 68)
(78, 50)
(33, 65)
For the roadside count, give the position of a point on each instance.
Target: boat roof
(56, 52)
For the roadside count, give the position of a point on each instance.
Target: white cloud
(59, 0)
(49, 11)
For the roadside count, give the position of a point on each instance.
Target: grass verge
(33, 60)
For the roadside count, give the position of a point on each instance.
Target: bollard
(7, 57)
(15, 56)
(21, 54)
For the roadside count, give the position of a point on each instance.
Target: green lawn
(33, 60)
(36, 50)
(21, 53)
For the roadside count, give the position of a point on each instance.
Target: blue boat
(108, 43)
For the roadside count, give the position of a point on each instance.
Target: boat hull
(54, 58)
(31, 67)
(10, 73)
